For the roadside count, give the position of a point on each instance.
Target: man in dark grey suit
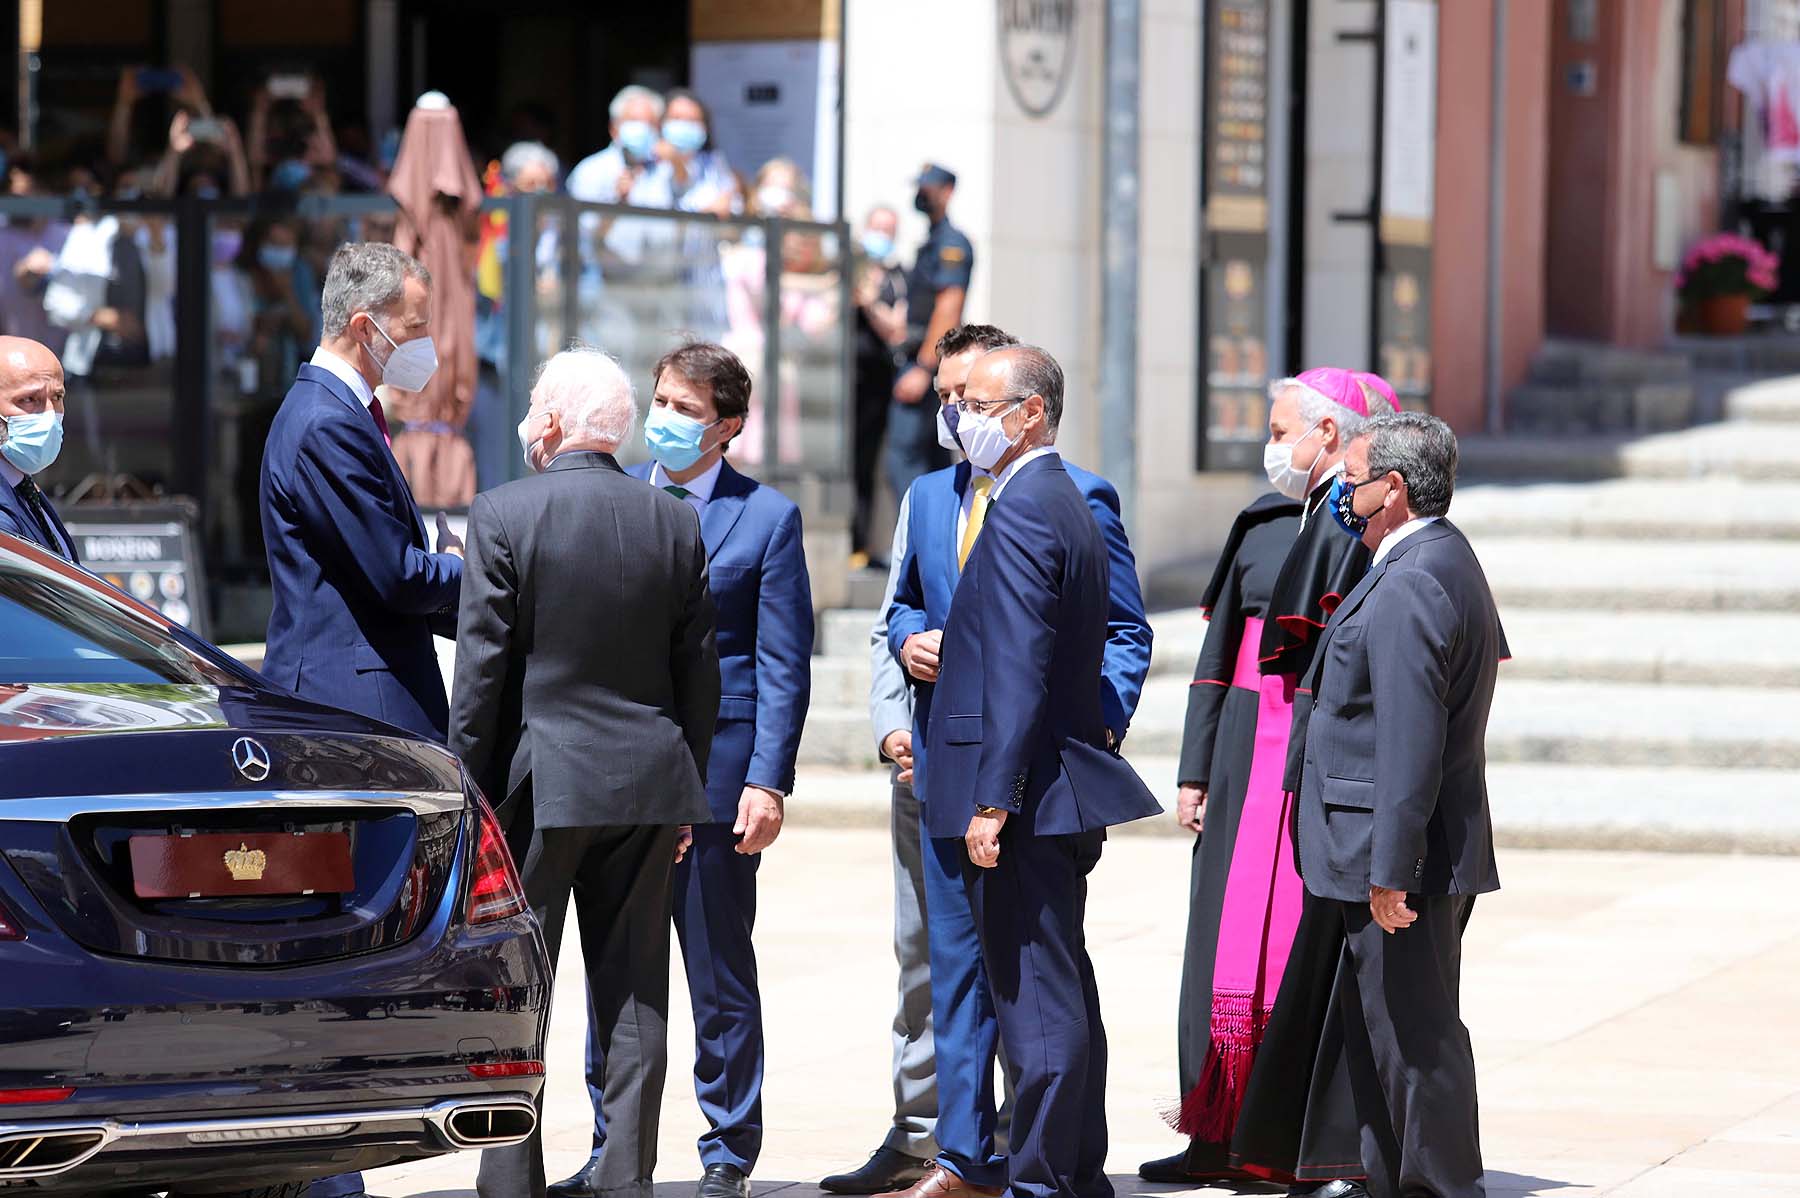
(587, 684)
(1394, 814)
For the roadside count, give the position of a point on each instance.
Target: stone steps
(1534, 806)
(1634, 509)
(1605, 574)
(1533, 722)
(1767, 401)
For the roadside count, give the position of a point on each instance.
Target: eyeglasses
(982, 408)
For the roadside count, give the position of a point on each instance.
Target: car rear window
(57, 628)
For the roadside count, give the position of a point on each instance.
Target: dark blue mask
(1341, 500)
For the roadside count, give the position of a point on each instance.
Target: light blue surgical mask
(686, 136)
(277, 258)
(878, 246)
(674, 440)
(33, 440)
(638, 138)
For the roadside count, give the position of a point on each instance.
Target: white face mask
(984, 438)
(946, 438)
(408, 367)
(527, 441)
(1278, 463)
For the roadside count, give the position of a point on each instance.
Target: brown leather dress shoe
(942, 1183)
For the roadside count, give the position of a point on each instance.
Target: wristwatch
(990, 812)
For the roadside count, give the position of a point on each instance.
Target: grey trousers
(621, 882)
(915, 1062)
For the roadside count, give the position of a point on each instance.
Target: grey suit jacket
(890, 694)
(1401, 800)
(585, 658)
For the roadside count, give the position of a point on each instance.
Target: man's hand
(684, 840)
(448, 542)
(919, 654)
(911, 386)
(1390, 910)
(1190, 807)
(897, 748)
(983, 839)
(758, 821)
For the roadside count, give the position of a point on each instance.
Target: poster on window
(774, 99)
(1409, 121)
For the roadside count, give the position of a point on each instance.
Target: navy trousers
(715, 913)
(965, 1033)
(1030, 910)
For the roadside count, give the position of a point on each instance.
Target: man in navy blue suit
(1021, 748)
(31, 434)
(946, 511)
(756, 568)
(358, 591)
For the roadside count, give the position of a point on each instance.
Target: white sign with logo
(1037, 51)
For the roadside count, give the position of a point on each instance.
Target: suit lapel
(62, 531)
(1352, 601)
(721, 513)
(341, 391)
(23, 517)
(946, 547)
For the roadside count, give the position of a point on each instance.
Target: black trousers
(620, 881)
(874, 388)
(1412, 1070)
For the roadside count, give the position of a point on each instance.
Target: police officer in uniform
(936, 290)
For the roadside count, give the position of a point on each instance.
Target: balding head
(1020, 386)
(31, 378)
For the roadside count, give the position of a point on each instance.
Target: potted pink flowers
(1718, 279)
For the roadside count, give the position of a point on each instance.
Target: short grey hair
(1421, 449)
(523, 154)
(633, 91)
(1315, 405)
(591, 394)
(1032, 371)
(365, 276)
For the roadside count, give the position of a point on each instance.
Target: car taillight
(9, 927)
(507, 1069)
(495, 891)
(43, 1094)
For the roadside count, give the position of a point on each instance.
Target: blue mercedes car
(245, 941)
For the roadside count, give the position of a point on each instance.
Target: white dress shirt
(699, 488)
(1392, 541)
(968, 496)
(324, 359)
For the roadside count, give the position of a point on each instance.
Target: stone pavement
(1632, 1017)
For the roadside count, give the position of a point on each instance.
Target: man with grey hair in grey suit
(1394, 823)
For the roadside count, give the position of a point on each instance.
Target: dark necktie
(380, 418)
(678, 492)
(33, 498)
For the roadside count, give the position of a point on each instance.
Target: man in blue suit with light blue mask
(756, 569)
(31, 435)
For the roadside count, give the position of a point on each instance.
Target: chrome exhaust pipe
(26, 1155)
(488, 1123)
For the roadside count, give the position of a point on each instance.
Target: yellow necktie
(978, 506)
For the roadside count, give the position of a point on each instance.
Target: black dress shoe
(723, 1181)
(889, 1169)
(585, 1184)
(1330, 1189)
(1173, 1171)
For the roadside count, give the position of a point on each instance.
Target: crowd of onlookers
(96, 281)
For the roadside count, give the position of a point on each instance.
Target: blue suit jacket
(928, 578)
(1016, 720)
(756, 569)
(17, 519)
(356, 585)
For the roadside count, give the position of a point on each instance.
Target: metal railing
(178, 356)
